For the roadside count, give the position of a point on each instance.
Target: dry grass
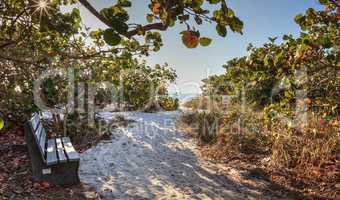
(310, 151)
(311, 154)
(202, 103)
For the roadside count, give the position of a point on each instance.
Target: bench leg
(63, 174)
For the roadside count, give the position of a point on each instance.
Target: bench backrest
(39, 133)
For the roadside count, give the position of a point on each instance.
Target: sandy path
(150, 159)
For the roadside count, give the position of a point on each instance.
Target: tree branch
(90, 8)
(129, 34)
(17, 60)
(6, 44)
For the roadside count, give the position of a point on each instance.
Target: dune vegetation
(280, 104)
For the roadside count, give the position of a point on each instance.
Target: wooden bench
(54, 160)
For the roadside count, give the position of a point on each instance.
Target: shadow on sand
(151, 160)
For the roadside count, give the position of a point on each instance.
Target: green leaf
(266, 61)
(149, 18)
(323, 2)
(172, 22)
(124, 3)
(272, 39)
(214, 1)
(120, 27)
(111, 37)
(230, 13)
(183, 17)
(105, 12)
(221, 30)
(95, 34)
(205, 41)
(76, 11)
(286, 37)
(236, 25)
(326, 42)
(2, 123)
(298, 18)
(277, 58)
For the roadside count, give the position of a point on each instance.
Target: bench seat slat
(42, 142)
(60, 150)
(51, 157)
(35, 121)
(71, 153)
(37, 133)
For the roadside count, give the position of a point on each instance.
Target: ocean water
(184, 97)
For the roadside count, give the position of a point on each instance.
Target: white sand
(150, 159)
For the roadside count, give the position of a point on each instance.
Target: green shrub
(168, 103)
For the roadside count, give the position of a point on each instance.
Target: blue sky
(262, 19)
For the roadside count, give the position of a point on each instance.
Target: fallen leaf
(45, 184)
